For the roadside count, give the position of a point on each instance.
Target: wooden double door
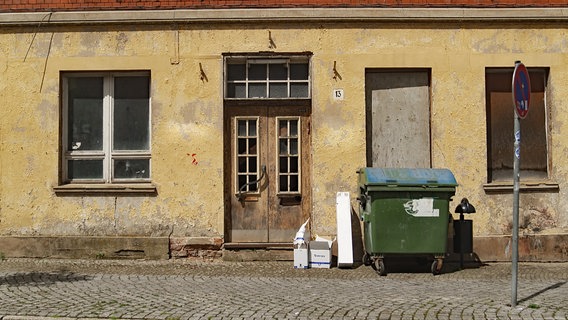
(267, 161)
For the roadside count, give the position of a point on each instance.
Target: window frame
(107, 154)
(533, 182)
(267, 60)
(288, 155)
(237, 185)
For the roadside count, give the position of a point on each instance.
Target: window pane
(242, 146)
(299, 71)
(131, 168)
(294, 164)
(242, 182)
(257, 90)
(294, 183)
(131, 113)
(242, 128)
(242, 164)
(236, 90)
(85, 114)
(236, 72)
(257, 72)
(283, 146)
(278, 90)
(277, 72)
(283, 165)
(85, 169)
(252, 128)
(283, 183)
(294, 128)
(252, 186)
(252, 164)
(252, 146)
(298, 90)
(293, 146)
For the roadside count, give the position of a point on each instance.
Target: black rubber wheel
(379, 267)
(436, 268)
(367, 259)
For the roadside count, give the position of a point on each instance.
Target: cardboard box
(301, 257)
(320, 254)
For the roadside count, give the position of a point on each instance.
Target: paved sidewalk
(195, 289)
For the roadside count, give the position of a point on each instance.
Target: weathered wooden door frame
(300, 108)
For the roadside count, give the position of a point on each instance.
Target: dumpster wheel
(379, 267)
(367, 259)
(437, 266)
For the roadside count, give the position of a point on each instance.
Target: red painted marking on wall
(194, 159)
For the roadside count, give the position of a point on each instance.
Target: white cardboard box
(320, 254)
(301, 257)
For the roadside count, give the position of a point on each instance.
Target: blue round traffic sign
(521, 90)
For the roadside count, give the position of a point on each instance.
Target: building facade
(166, 129)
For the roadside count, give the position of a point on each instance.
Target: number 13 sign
(521, 90)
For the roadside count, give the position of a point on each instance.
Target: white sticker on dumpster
(421, 208)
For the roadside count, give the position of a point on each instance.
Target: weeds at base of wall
(2, 256)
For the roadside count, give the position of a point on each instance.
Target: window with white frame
(267, 78)
(106, 127)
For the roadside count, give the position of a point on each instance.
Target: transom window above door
(267, 77)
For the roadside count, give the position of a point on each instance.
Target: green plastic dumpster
(405, 211)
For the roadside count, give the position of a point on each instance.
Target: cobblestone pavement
(197, 289)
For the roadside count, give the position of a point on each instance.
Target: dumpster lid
(408, 176)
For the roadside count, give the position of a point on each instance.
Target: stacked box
(320, 254)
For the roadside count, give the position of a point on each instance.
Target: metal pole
(515, 244)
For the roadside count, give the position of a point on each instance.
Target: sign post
(521, 88)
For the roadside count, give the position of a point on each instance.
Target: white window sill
(106, 189)
(524, 186)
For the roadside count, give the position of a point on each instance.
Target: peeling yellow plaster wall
(187, 140)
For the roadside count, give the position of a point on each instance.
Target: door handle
(262, 175)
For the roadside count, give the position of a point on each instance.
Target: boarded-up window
(500, 121)
(398, 118)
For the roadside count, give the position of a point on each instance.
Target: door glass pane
(283, 146)
(242, 128)
(242, 146)
(252, 164)
(252, 128)
(283, 165)
(131, 113)
(284, 183)
(131, 168)
(293, 128)
(294, 146)
(85, 169)
(252, 186)
(242, 164)
(294, 164)
(294, 185)
(85, 117)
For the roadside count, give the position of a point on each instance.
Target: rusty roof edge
(287, 15)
